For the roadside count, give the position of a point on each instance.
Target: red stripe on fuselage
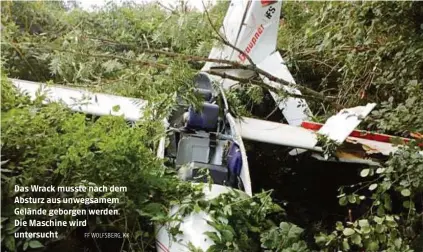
(265, 3)
(162, 246)
(358, 133)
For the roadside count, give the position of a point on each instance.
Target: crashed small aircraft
(212, 138)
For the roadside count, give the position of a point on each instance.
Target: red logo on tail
(267, 2)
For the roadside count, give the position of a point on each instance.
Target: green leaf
(321, 238)
(345, 245)
(152, 210)
(213, 236)
(380, 170)
(364, 172)
(380, 228)
(387, 202)
(372, 187)
(356, 239)
(363, 223)
(9, 242)
(112, 65)
(348, 231)
(378, 219)
(382, 238)
(405, 192)
(380, 210)
(352, 199)
(398, 243)
(366, 229)
(373, 246)
(192, 248)
(407, 204)
(294, 231)
(197, 208)
(35, 244)
(339, 226)
(116, 108)
(343, 201)
(227, 235)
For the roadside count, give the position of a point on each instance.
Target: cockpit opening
(201, 142)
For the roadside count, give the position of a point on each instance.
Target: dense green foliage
(351, 52)
(391, 221)
(44, 145)
(360, 52)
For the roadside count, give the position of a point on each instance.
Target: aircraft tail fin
(254, 31)
(252, 27)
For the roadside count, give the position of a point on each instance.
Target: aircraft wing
(336, 128)
(276, 133)
(85, 101)
(355, 148)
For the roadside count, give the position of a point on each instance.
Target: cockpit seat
(234, 159)
(205, 119)
(203, 81)
(206, 94)
(193, 149)
(194, 171)
(219, 174)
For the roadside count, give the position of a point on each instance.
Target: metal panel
(373, 147)
(340, 126)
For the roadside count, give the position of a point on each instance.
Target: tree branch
(179, 55)
(309, 93)
(237, 65)
(252, 81)
(319, 97)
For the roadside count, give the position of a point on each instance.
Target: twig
(275, 90)
(23, 57)
(271, 113)
(146, 41)
(167, 8)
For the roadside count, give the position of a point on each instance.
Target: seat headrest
(234, 159)
(205, 93)
(203, 81)
(205, 119)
